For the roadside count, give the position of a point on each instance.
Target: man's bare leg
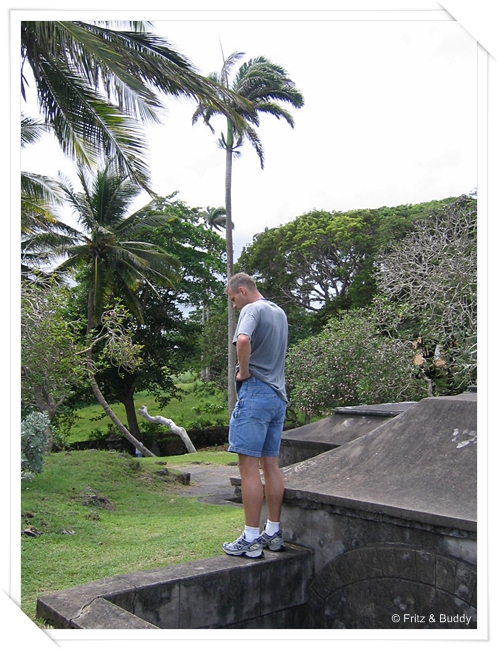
(274, 487)
(252, 489)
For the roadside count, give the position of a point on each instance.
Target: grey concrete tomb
(381, 530)
(392, 519)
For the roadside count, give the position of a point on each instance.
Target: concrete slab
(210, 483)
(420, 465)
(346, 424)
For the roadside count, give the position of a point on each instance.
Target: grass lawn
(96, 514)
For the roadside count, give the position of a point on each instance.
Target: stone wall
(217, 592)
(377, 572)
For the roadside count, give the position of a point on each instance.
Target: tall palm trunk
(232, 397)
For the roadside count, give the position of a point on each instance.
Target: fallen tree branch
(180, 431)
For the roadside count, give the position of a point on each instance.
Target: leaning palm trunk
(108, 410)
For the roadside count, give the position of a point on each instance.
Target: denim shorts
(257, 420)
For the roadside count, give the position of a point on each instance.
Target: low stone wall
(164, 444)
(217, 592)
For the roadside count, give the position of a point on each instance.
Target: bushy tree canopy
(428, 281)
(349, 363)
(322, 261)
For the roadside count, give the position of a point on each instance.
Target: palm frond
(32, 130)
(93, 81)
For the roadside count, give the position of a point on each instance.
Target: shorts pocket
(238, 408)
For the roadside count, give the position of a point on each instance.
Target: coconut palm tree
(215, 217)
(92, 80)
(40, 197)
(266, 85)
(109, 244)
(110, 254)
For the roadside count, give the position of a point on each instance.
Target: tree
(50, 348)
(323, 262)
(350, 362)
(110, 248)
(110, 255)
(92, 82)
(215, 217)
(168, 338)
(428, 291)
(265, 85)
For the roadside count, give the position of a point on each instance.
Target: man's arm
(243, 356)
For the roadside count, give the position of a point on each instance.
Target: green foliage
(96, 81)
(350, 363)
(322, 262)
(35, 440)
(92, 423)
(168, 338)
(212, 342)
(208, 413)
(51, 349)
(187, 237)
(110, 248)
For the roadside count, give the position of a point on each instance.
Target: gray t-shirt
(266, 325)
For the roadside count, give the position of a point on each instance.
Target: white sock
(272, 527)
(250, 533)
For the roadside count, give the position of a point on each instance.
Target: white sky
(390, 117)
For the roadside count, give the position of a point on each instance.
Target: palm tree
(92, 81)
(109, 252)
(40, 196)
(38, 193)
(215, 217)
(265, 85)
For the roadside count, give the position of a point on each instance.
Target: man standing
(258, 418)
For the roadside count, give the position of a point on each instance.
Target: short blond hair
(241, 280)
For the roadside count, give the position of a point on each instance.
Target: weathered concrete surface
(211, 483)
(346, 424)
(202, 594)
(420, 465)
(391, 517)
(387, 586)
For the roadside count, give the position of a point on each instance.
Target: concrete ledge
(420, 466)
(346, 424)
(100, 613)
(202, 594)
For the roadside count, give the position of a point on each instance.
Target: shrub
(35, 440)
(350, 362)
